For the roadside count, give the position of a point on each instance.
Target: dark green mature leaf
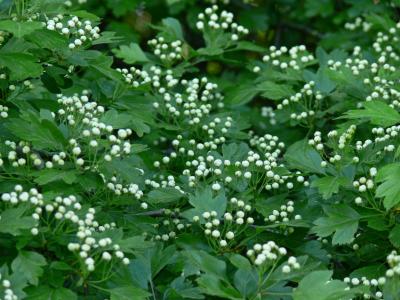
(241, 94)
(329, 185)
(165, 195)
(207, 263)
(204, 200)
(131, 54)
(21, 65)
(47, 39)
(173, 27)
(29, 265)
(301, 156)
(44, 292)
(123, 120)
(129, 293)
(319, 285)
(378, 112)
(12, 220)
(341, 220)
(43, 133)
(389, 189)
(274, 91)
(49, 175)
(20, 29)
(212, 285)
(130, 244)
(246, 281)
(394, 236)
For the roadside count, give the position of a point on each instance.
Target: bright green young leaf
(274, 91)
(12, 220)
(301, 156)
(378, 112)
(329, 185)
(20, 29)
(131, 54)
(319, 285)
(389, 188)
(29, 265)
(341, 220)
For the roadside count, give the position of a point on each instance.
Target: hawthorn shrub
(199, 150)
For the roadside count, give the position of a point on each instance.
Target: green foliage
(216, 149)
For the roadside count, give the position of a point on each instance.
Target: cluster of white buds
(290, 265)
(284, 58)
(222, 231)
(22, 155)
(266, 164)
(374, 284)
(164, 181)
(65, 209)
(168, 52)
(88, 244)
(155, 77)
(303, 104)
(301, 179)
(3, 111)
(78, 110)
(383, 135)
(192, 105)
(210, 20)
(216, 1)
(393, 260)
(336, 145)
(268, 112)
(8, 292)
(20, 196)
(78, 31)
(170, 226)
(266, 254)
(363, 184)
(3, 35)
(120, 188)
(69, 3)
(358, 23)
(283, 214)
(27, 84)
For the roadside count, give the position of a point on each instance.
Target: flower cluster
(155, 77)
(78, 31)
(119, 188)
(223, 231)
(3, 35)
(83, 117)
(167, 52)
(283, 214)
(210, 20)
(67, 209)
(169, 227)
(3, 111)
(8, 292)
(358, 23)
(284, 58)
(268, 113)
(267, 253)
